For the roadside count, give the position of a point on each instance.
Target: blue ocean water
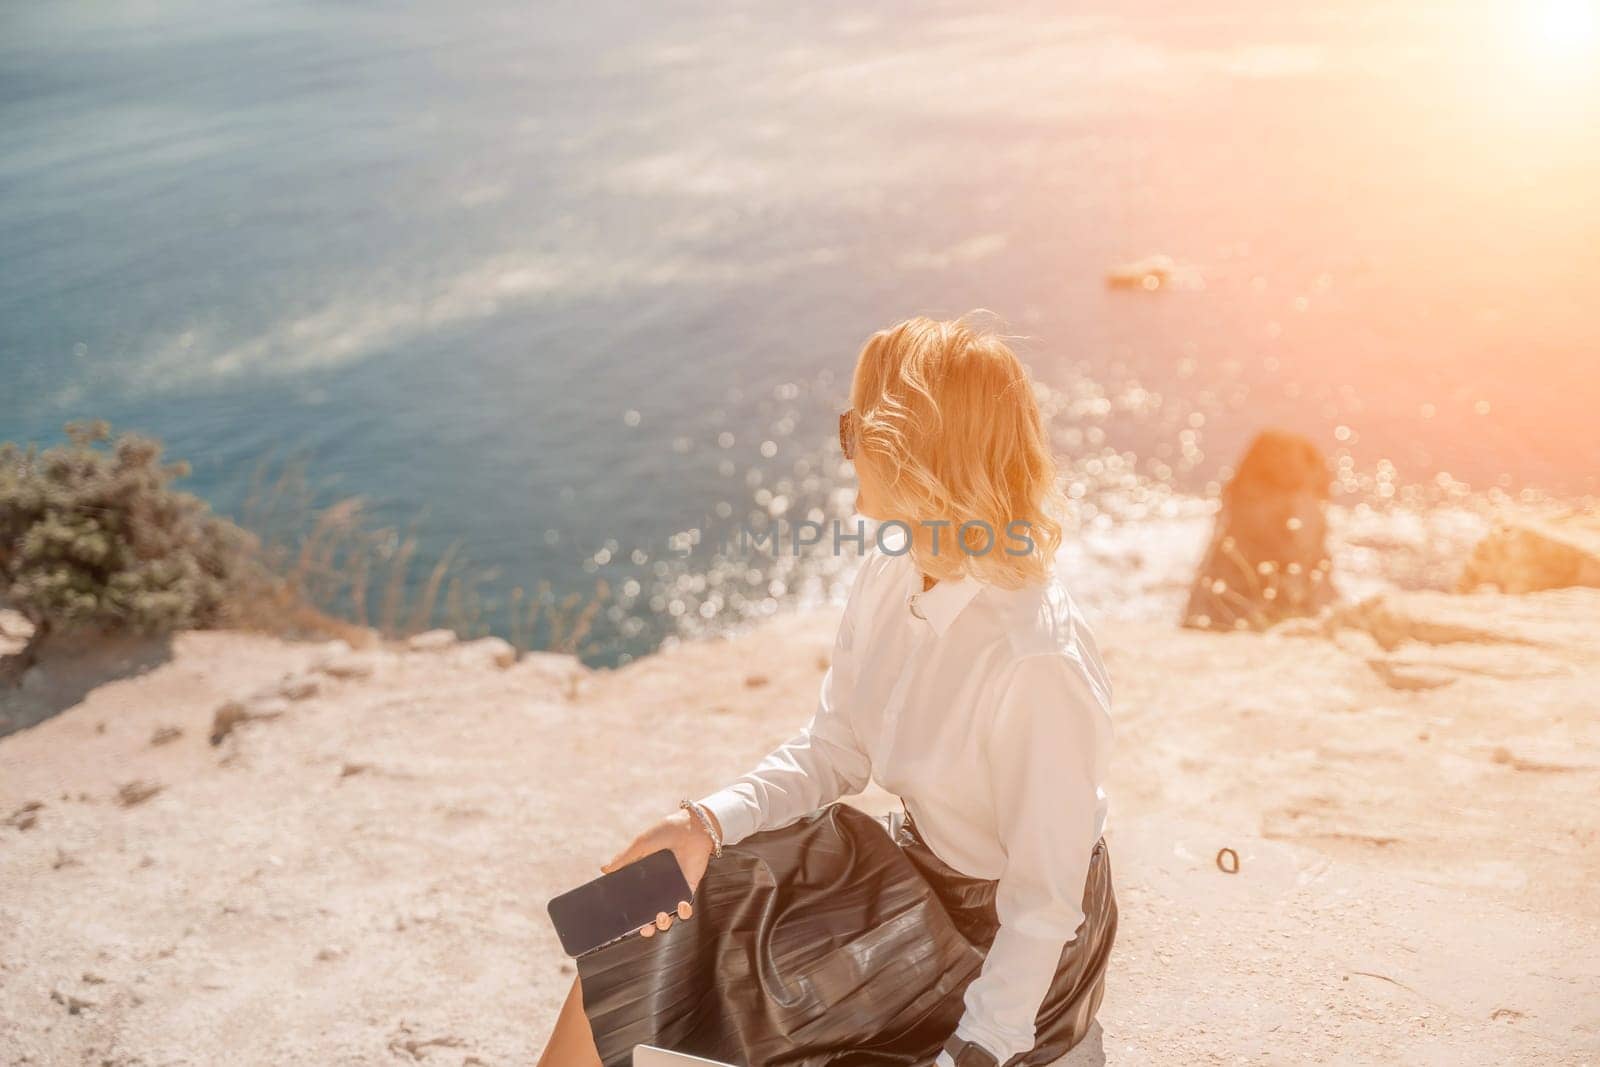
(564, 282)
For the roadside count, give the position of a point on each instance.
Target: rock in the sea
(432, 641)
(1268, 557)
(1147, 273)
(1527, 554)
(1152, 274)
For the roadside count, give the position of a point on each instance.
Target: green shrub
(93, 537)
(96, 537)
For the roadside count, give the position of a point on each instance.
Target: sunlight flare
(1565, 31)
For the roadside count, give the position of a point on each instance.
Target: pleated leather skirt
(839, 940)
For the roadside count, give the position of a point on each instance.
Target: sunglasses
(847, 434)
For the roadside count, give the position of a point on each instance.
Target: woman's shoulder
(1042, 619)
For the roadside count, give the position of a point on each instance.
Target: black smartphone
(617, 904)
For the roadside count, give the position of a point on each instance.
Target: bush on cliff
(95, 537)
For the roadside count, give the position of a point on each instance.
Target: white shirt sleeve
(817, 766)
(1048, 749)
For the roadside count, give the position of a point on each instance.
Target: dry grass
(340, 573)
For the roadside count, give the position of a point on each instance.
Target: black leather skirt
(838, 940)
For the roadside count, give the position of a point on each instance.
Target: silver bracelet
(705, 820)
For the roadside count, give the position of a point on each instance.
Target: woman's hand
(689, 842)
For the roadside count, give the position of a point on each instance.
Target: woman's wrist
(716, 823)
(704, 818)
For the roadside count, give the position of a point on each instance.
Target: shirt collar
(941, 604)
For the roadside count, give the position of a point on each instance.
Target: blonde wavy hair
(945, 411)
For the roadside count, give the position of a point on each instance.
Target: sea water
(576, 288)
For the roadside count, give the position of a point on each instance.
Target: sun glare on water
(1564, 31)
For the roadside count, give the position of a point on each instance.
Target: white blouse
(988, 711)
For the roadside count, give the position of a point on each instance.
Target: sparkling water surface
(566, 283)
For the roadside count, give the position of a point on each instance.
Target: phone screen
(617, 904)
